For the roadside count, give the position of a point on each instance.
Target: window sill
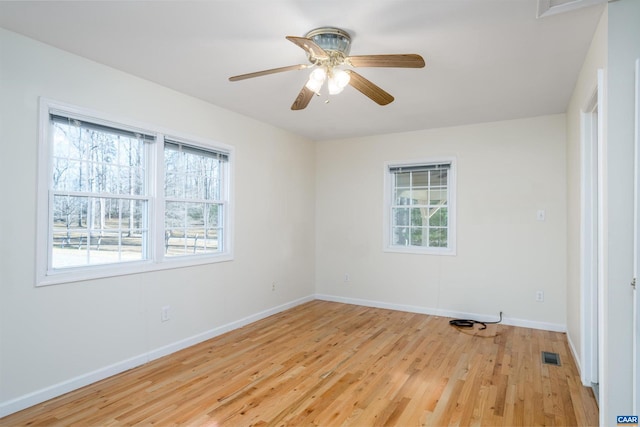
(420, 251)
(110, 270)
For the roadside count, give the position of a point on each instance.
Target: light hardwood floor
(330, 364)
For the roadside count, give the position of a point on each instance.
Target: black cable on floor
(468, 323)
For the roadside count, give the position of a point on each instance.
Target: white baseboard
(576, 360)
(42, 395)
(39, 396)
(555, 327)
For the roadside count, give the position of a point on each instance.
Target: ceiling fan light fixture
(316, 79)
(333, 87)
(338, 80)
(341, 77)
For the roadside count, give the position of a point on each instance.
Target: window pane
(81, 248)
(420, 179)
(192, 228)
(193, 186)
(418, 217)
(438, 237)
(418, 236)
(173, 184)
(61, 174)
(174, 177)
(192, 173)
(65, 209)
(175, 215)
(438, 177)
(438, 217)
(69, 254)
(212, 188)
(215, 215)
(130, 180)
(403, 179)
(90, 231)
(195, 215)
(401, 216)
(400, 236)
(190, 241)
(419, 196)
(402, 196)
(437, 197)
(88, 159)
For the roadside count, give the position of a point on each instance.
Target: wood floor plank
(331, 364)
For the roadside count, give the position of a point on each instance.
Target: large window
(117, 199)
(420, 207)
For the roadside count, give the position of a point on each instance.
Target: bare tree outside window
(99, 213)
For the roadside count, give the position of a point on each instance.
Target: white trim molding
(523, 323)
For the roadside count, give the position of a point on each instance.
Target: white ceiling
(487, 60)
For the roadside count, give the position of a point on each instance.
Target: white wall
(624, 49)
(58, 336)
(506, 172)
(586, 84)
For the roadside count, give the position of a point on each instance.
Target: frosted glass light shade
(316, 79)
(337, 81)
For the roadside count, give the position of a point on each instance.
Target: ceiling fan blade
(410, 60)
(303, 99)
(266, 72)
(369, 89)
(312, 49)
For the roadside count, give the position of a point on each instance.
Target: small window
(420, 207)
(117, 198)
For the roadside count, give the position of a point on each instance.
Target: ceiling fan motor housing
(331, 39)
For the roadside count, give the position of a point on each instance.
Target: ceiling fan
(328, 52)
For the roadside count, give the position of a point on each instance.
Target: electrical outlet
(347, 278)
(165, 313)
(540, 296)
(273, 286)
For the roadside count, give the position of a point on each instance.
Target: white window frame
(388, 203)
(156, 261)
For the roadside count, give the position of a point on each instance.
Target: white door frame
(592, 237)
(636, 248)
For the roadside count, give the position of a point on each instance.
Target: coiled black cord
(468, 323)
